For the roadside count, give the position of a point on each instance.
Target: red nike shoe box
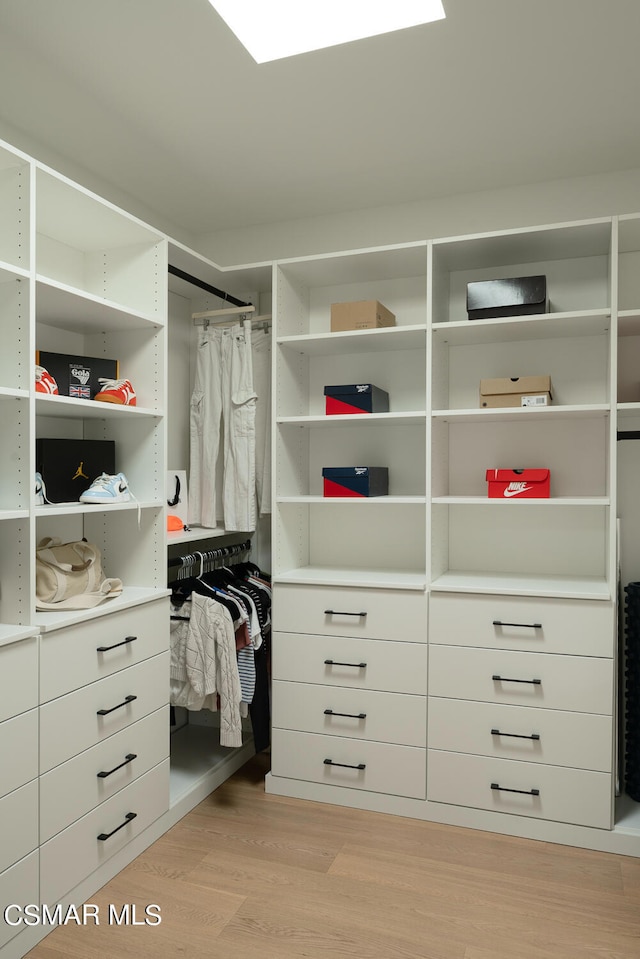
(519, 484)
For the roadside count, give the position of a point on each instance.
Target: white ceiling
(159, 98)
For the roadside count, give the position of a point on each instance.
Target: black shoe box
(516, 296)
(78, 376)
(69, 467)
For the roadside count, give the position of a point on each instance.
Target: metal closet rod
(182, 275)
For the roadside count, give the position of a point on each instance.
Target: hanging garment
(223, 401)
(261, 349)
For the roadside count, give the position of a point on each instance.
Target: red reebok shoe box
(518, 484)
(355, 398)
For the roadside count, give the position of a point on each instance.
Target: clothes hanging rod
(221, 318)
(217, 314)
(201, 284)
(222, 552)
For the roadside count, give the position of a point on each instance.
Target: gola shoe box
(360, 315)
(518, 484)
(78, 376)
(355, 480)
(517, 296)
(516, 391)
(69, 467)
(355, 398)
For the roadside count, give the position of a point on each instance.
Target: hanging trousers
(223, 404)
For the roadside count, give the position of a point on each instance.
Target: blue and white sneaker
(40, 494)
(107, 489)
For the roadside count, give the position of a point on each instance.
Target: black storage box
(355, 480)
(69, 467)
(78, 376)
(355, 398)
(517, 296)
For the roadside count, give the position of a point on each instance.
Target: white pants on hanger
(261, 344)
(223, 402)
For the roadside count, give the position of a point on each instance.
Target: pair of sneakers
(111, 391)
(105, 489)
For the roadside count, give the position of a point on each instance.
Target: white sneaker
(107, 489)
(40, 495)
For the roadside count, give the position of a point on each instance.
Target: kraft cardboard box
(516, 391)
(515, 296)
(518, 483)
(360, 315)
(78, 376)
(69, 467)
(355, 398)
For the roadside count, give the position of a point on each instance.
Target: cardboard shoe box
(69, 467)
(518, 484)
(360, 315)
(78, 376)
(517, 296)
(355, 481)
(516, 391)
(355, 398)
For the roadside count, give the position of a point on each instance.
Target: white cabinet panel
(18, 751)
(18, 824)
(358, 663)
(355, 713)
(18, 677)
(19, 884)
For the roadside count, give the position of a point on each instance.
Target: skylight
(274, 29)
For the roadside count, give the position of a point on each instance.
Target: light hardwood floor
(251, 876)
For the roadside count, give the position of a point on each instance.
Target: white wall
(551, 202)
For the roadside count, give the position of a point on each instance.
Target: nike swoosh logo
(123, 489)
(516, 492)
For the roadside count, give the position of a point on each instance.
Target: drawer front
(522, 623)
(358, 663)
(72, 723)
(76, 852)
(79, 655)
(19, 884)
(355, 713)
(342, 611)
(18, 677)
(525, 679)
(581, 740)
(396, 770)
(577, 796)
(76, 787)
(18, 751)
(18, 824)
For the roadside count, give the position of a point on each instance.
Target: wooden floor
(251, 876)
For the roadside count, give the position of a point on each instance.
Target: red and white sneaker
(116, 391)
(45, 383)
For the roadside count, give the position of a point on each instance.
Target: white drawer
(18, 677)
(533, 624)
(18, 824)
(73, 723)
(19, 884)
(375, 767)
(71, 790)
(575, 796)
(18, 751)
(525, 679)
(343, 611)
(581, 740)
(360, 663)
(358, 713)
(78, 851)
(79, 655)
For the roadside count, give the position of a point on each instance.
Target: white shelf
(591, 410)
(69, 308)
(197, 758)
(130, 596)
(407, 418)
(628, 410)
(350, 500)
(7, 514)
(15, 634)
(6, 392)
(518, 584)
(197, 533)
(539, 326)
(367, 578)
(68, 407)
(357, 341)
(8, 272)
(521, 503)
(68, 509)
